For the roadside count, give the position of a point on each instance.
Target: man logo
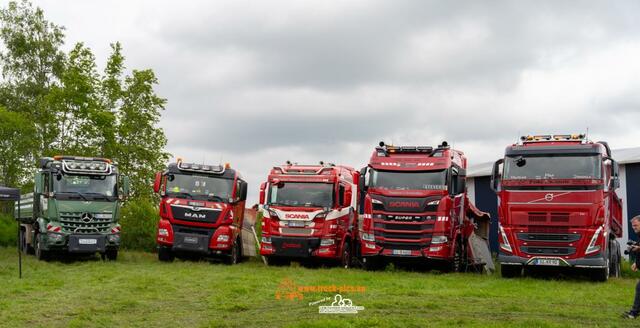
(195, 215)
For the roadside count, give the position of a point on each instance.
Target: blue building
(480, 193)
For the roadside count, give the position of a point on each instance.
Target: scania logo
(86, 217)
(404, 204)
(195, 215)
(296, 216)
(548, 197)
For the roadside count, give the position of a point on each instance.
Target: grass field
(139, 291)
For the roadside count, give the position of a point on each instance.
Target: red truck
(414, 207)
(201, 211)
(309, 214)
(558, 206)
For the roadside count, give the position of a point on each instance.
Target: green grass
(139, 291)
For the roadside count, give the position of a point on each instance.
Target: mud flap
(247, 237)
(481, 253)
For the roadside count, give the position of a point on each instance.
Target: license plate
(191, 240)
(550, 262)
(87, 241)
(296, 224)
(401, 252)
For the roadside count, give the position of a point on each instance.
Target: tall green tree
(15, 149)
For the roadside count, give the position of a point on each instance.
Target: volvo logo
(86, 217)
(548, 197)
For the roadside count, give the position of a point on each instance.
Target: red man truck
(558, 206)
(201, 211)
(414, 207)
(309, 214)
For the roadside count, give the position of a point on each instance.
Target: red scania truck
(558, 206)
(414, 207)
(201, 211)
(309, 214)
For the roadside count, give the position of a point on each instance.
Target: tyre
(616, 260)
(345, 259)
(165, 254)
(41, 254)
(24, 248)
(233, 257)
(111, 254)
(459, 259)
(510, 271)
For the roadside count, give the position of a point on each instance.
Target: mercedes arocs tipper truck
(201, 211)
(309, 214)
(74, 207)
(415, 209)
(558, 206)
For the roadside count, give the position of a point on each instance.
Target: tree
(15, 148)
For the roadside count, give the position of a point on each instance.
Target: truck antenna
(586, 135)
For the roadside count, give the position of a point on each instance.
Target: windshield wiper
(182, 193)
(214, 197)
(75, 193)
(314, 205)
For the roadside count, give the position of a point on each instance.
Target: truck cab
(309, 213)
(558, 206)
(74, 207)
(414, 207)
(201, 211)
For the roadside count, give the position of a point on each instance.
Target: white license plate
(550, 262)
(87, 241)
(191, 240)
(296, 224)
(401, 252)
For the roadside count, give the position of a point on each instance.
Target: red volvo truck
(558, 206)
(414, 207)
(201, 211)
(309, 214)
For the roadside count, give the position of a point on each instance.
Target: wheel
(111, 254)
(372, 263)
(345, 259)
(165, 254)
(24, 248)
(235, 253)
(616, 260)
(40, 253)
(602, 274)
(510, 271)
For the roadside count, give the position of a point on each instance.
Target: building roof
(623, 156)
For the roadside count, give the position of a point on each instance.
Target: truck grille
(202, 215)
(296, 231)
(548, 250)
(538, 217)
(549, 237)
(78, 222)
(409, 232)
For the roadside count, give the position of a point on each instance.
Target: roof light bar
(86, 167)
(216, 169)
(554, 137)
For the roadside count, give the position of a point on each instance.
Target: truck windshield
(301, 194)
(552, 167)
(433, 180)
(199, 187)
(86, 185)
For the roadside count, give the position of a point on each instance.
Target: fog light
(370, 246)
(435, 249)
(327, 242)
(223, 238)
(163, 232)
(323, 250)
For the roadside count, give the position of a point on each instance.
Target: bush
(139, 220)
(8, 230)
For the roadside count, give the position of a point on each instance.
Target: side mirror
(263, 188)
(346, 200)
(495, 175)
(125, 186)
(243, 190)
(157, 182)
(361, 179)
(615, 171)
(38, 186)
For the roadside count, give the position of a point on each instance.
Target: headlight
(434, 202)
(266, 240)
(321, 215)
(223, 238)
(163, 232)
(113, 238)
(368, 237)
(103, 215)
(439, 239)
(327, 242)
(505, 242)
(375, 201)
(592, 248)
(55, 237)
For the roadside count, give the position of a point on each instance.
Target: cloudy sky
(256, 83)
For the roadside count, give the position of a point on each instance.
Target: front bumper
(591, 262)
(80, 243)
(291, 247)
